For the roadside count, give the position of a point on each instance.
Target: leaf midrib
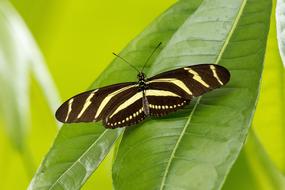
(199, 99)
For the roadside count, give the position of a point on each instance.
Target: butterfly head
(141, 76)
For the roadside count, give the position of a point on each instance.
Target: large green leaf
(195, 149)
(80, 148)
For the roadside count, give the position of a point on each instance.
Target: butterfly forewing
(185, 83)
(193, 80)
(94, 104)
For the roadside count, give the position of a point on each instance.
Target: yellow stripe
(153, 92)
(197, 77)
(109, 97)
(69, 108)
(213, 68)
(128, 102)
(175, 81)
(87, 103)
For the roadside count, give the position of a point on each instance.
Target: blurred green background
(76, 39)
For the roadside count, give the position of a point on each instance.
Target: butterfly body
(129, 103)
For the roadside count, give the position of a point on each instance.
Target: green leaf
(280, 23)
(74, 154)
(19, 57)
(271, 101)
(196, 148)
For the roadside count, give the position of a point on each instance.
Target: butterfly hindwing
(93, 105)
(128, 112)
(163, 106)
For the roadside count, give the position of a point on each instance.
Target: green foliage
(209, 37)
(193, 148)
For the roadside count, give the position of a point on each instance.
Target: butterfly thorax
(142, 81)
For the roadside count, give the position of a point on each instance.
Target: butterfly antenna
(126, 61)
(154, 50)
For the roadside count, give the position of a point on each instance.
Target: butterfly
(129, 103)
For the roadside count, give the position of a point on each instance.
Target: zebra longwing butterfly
(129, 103)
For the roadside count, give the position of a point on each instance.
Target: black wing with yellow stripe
(129, 103)
(186, 83)
(95, 105)
(191, 81)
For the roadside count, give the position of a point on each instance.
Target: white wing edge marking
(129, 118)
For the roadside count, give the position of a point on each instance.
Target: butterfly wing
(129, 112)
(191, 81)
(175, 88)
(94, 105)
(162, 102)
